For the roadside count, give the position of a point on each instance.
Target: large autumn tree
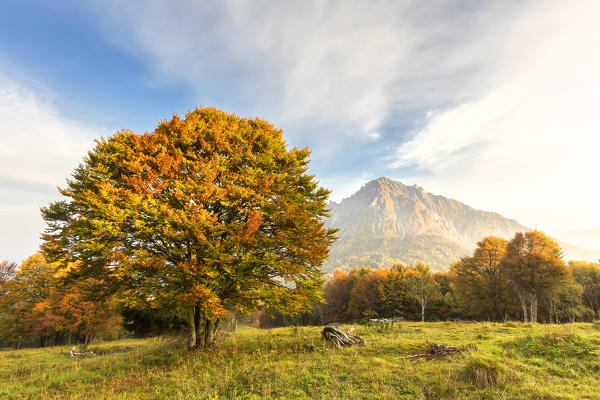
(204, 214)
(534, 266)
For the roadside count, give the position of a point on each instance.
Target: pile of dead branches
(438, 351)
(340, 338)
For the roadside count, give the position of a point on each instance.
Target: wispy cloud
(40, 148)
(349, 65)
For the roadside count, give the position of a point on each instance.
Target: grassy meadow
(510, 361)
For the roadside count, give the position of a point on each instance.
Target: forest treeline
(521, 279)
(38, 308)
(41, 303)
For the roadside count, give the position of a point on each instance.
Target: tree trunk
(523, 301)
(533, 306)
(210, 328)
(202, 332)
(199, 326)
(550, 306)
(192, 327)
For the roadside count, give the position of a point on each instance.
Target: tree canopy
(421, 286)
(534, 266)
(7, 271)
(204, 214)
(482, 281)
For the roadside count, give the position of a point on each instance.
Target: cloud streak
(349, 65)
(40, 148)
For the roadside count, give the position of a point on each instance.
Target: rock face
(387, 221)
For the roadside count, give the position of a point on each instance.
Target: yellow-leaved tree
(534, 266)
(206, 213)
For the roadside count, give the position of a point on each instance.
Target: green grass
(511, 361)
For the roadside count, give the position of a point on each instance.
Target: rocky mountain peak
(386, 221)
(388, 214)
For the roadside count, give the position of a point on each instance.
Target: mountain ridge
(386, 221)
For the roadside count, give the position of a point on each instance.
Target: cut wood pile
(438, 351)
(339, 338)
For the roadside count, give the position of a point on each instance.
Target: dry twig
(438, 350)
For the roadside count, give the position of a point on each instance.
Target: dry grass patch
(482, 372)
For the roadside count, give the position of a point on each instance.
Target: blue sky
(491, 104)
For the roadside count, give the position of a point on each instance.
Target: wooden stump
(339, 338)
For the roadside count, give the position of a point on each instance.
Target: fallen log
(339, 338)
(438, 351)
(384, 320)
(73, 353)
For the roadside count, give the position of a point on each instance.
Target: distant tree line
(44, 303)
(521, 279)
(38, 307)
